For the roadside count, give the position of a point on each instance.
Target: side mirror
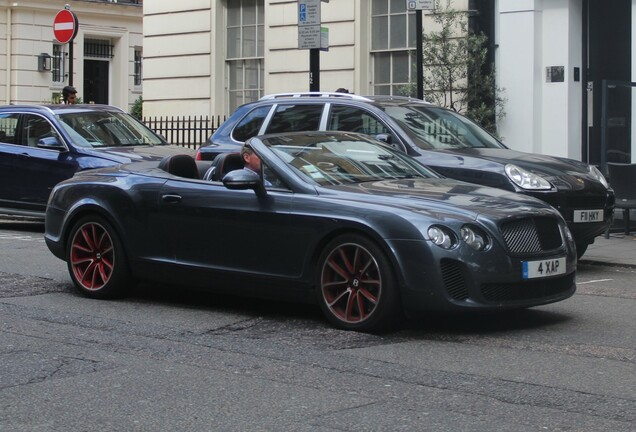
(52, 143)
(385, 138)
(243, 179)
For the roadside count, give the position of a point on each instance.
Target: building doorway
(96, 81)
(607, 39)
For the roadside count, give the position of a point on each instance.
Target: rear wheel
(96, 259)
(356, 285)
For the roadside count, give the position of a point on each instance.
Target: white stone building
(107, 51)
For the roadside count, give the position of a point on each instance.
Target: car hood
(138, 153)
(441, 198)
(565, 174)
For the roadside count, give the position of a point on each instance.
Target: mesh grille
(586, 202)
(528, 290)
(532, 235)
(453, 277)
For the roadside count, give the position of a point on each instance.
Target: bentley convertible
(332, 217)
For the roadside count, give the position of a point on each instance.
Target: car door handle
(170, 198)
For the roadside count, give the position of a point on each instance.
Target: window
(352, 119)
(137, 66)
(35, 129)
(295, 118)
(57, 64)
(245, 39)
(393, 48)
(250, 124)
(98, 48)
(8, 126)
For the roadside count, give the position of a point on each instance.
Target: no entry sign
(65, 26)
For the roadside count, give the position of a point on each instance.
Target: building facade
(107, 51)
(553, 59)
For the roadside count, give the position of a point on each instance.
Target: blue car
(42, 145)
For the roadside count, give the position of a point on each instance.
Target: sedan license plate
(543, 268)
(586, 216)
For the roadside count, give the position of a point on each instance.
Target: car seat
(223, 164)
(181, 165)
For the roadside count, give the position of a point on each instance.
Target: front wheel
(356, 285)
(96, 259)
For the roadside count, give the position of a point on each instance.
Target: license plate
(586, 216)
(543, 268)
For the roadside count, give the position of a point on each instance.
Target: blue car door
(37, 169)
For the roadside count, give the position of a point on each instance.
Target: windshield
(337, 160)
(438, 128)
(107, 129)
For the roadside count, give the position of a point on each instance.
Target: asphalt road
(172, 360)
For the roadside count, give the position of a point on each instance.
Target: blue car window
(35, 128)
(8, 128)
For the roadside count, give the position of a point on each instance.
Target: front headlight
(474, 237)
(598, 175)
(442, 237)
(525, 179)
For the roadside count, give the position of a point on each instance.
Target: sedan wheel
(357, 290)
(96, 260)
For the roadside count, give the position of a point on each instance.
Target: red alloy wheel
(92, 256)
(351, 283)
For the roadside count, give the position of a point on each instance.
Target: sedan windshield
(332, 160)
(437, 128)
(107, 129)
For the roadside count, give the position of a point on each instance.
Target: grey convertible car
(334, 218)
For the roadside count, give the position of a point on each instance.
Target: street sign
(309, 37)
(308, 13)
(65, 26)
(420, 4)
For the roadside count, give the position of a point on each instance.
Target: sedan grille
(453, 277)
(532, 235)
(528, 290)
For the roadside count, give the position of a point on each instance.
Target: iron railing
(190, 131)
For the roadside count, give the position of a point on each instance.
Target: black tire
(96, 260)
(356, 286)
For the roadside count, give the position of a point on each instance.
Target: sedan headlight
(525, 179)
(474, 237)
(442, 237)
(596, 173)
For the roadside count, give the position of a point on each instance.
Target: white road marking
(594, 281)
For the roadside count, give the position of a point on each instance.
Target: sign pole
(420, 54)
(418, 6)
(314, 69)
(70, 63)
(65, 26)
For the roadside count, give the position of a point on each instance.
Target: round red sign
(65, 26)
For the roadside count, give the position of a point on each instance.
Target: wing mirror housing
(51, 143)
(243, 179)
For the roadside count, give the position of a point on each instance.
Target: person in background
(69, 95)
(342, 90)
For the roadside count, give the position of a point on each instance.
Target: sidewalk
(619, 249)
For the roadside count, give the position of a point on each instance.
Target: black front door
(607, 40)
(95, 82)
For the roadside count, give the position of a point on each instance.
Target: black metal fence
(190, 131)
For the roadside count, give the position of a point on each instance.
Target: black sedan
(441, 139)
(336, 218)
(43, 145)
